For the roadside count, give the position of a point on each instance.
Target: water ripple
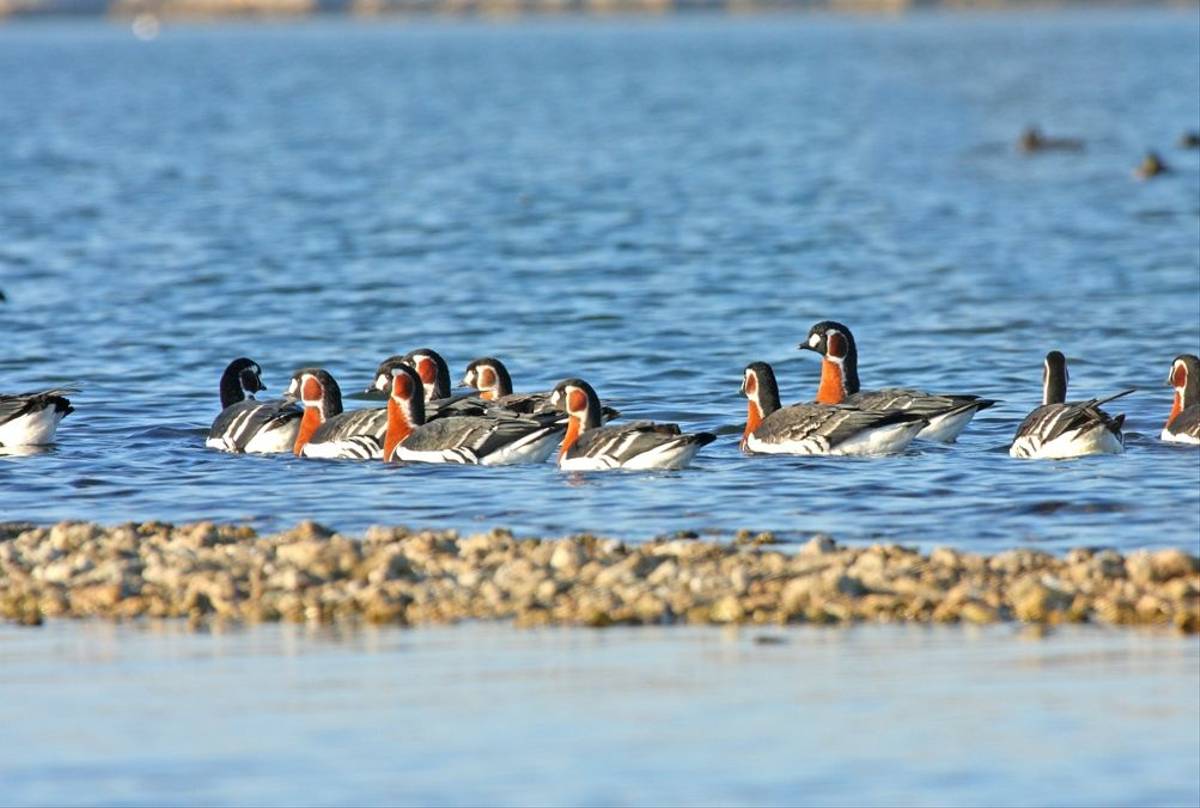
(649, 206)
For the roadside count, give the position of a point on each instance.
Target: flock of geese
(423, 422)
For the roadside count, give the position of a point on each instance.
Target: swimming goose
(433, 370)
(818, 429)
(1183, 424)
(1058, 429)
(31, 419)
(490, 377)
(475, 440)
(588, 446)
(325, 430)
(948, 414)
(246, 425)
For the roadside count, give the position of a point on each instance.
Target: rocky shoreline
(209, 573)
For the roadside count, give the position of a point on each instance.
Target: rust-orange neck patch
(833, 383)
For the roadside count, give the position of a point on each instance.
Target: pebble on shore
(211, 573)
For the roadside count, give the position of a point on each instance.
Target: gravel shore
(205, 572)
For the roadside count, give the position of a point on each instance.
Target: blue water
(647, 204)
(100, 714)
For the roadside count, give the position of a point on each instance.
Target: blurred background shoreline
(201, 10)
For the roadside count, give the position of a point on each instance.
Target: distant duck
(1183, 424)
(1189, 140)
(1151, 166)
(328, 432)
(462, 439)
(818, 429)
(1058, 430)
(1032, 140)
(947, 414)
(641, 445)
(31, 419)
(490, 377)
(247, 425)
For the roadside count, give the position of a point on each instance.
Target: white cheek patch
(814, 340)
(381, 382)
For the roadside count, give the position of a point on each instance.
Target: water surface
(647, 204)
(153, 715)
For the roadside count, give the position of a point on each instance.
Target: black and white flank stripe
(641, 445)
(495, 440)
(1059, 429)
(820, 429)
(353, 435)
(947, 415)
(247, 425)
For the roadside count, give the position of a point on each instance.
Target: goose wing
(525, 403)
(19, 404)
(454, 406)
(1186, 423)
(371, 422)
(238, 423)
(915, 401)
(473, 438)
(1051, 421)
(621, 443)
(539, 404)
(824, 424)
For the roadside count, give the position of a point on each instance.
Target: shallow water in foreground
(152, 715)
(648, 204)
